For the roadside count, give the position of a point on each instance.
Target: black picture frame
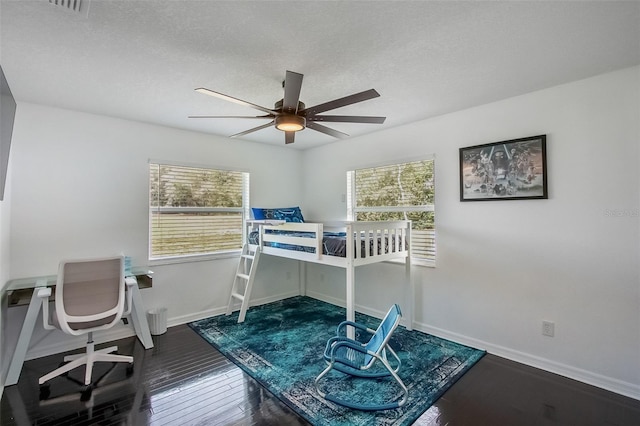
(514, 169)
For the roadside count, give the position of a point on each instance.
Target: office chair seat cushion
(91, 324)
(84, 325)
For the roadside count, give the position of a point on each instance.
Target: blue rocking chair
(355, 358)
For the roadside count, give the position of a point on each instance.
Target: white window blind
(401, 191)
(195, 210)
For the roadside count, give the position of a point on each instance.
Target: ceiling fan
(290, 115)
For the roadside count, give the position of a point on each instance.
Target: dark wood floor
(184, 381)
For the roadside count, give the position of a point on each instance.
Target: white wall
(80, 188)
(5, 233)
(503, 267)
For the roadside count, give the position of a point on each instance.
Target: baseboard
(614, 385)
(184, 319)
(69, 344)
(584, 376)
(359, 308)
(327, 299)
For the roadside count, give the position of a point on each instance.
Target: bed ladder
(243, 281)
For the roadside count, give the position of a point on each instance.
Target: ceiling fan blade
(234, 100)
(292, 86)
(326, 130)
(289, 137)
(231, 116)
(255, 129)
(347, 119)
(338, 103)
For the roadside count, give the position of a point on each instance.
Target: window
(195, 210)
(401, 191)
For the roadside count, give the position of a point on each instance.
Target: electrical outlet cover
(548, 328)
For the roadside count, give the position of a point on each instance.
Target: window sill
(194, 258)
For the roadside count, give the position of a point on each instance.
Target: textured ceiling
(142, 60)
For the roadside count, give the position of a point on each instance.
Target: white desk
(138, 317)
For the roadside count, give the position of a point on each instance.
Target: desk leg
(23, 341)
(135, 416)
(139, 319)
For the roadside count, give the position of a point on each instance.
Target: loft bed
(372, 242)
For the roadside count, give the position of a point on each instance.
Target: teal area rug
(280, 344)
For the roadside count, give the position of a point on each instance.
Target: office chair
(89, 296)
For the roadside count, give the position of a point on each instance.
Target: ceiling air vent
(78, 6)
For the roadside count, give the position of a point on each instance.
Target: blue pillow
(258, 214)
(288, 214)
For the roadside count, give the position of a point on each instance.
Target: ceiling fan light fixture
(290, 123)
(290, 115)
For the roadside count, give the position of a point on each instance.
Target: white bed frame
(398, 230)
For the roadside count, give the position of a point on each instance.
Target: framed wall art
(508, 170)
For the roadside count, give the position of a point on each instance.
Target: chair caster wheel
(129, 370)
(86, 393)
(45, 392)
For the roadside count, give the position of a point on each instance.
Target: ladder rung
(237, 296)
(248, 256)
(243, 276)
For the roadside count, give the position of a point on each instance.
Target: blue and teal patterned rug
(280, 344)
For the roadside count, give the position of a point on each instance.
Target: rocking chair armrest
(356, 363)
(352, 344)
(335, 339)
(356, 325)
(332, 342)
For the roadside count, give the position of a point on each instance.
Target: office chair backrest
(90, 294)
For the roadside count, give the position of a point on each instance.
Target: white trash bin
(158, 321)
